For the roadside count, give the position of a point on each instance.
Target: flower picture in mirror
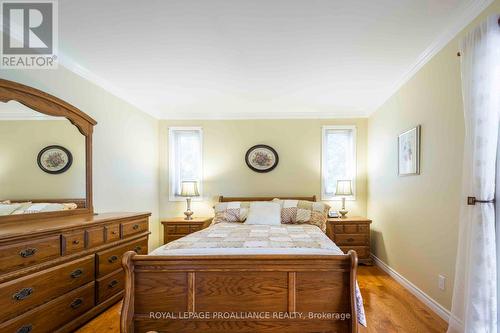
(54, 159)
(261, 158)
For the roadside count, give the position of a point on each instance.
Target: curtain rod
(458, 53)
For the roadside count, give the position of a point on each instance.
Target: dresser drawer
(29, 253)
(134, 227)
(110, 285)
(20, 295)
(351, 239)
(73, 242)
(110, 260)
(363, 252)
(94, 237)
(112, 232)
(49, 317)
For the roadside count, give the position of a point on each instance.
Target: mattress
(240, 238)
(245, 239)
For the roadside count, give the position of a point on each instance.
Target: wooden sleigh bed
(240, 293)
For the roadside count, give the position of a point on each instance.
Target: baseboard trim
(423, 297)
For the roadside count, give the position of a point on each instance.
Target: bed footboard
(233, 294)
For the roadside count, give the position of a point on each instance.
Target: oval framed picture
(54, 159)
(261, 158)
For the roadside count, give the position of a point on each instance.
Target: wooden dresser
(351, 233)
(57, 273)
(176, 227)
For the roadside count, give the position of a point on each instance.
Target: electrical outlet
(441, 282)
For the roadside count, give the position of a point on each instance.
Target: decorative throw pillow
(231, 212)
(301, 211)
(264, 213)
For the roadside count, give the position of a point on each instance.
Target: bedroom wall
(125, 142)
(225, 142)
(415, 219)
(20, 176)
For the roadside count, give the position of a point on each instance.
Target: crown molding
(261, 115)
(83, 72)
(470, 12)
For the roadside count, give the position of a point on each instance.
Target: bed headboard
(229, 199)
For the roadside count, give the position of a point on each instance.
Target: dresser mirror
(45, 155)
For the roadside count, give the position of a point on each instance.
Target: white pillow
(266, 213)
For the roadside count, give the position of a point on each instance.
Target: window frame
(324, 130)
(171, 163)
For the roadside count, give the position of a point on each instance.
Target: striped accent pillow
(301, 211)
(231, 212)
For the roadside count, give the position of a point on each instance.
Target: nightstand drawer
(363, 252)
(351, 239)
(182, 229)
(196, 227)
(363, 228)
(177, 227)
(351, 229)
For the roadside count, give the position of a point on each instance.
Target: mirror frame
(53, 106)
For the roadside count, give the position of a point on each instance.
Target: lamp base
(343, 213)
(188, 214)
(188, 211)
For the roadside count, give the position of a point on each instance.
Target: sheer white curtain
(474, 307)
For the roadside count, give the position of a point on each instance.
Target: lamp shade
(344, 188)
(189, 189)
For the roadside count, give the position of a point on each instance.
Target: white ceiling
(256, 58)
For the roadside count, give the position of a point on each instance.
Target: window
(338, 160)
(185, 158)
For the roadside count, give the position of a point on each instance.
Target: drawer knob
(113, 232)
(137, 249)
(112, 284)
(350, 240)
(76, 303)
(22, 294)
(112, 259)
(25, 329)
(28, 252)
(135, 226)
(76, 241)
(76, 273)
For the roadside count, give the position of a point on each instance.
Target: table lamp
(344, 189)
(189, 189)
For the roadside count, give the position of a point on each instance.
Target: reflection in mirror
(42, 162)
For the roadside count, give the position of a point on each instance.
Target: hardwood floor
(389, 308)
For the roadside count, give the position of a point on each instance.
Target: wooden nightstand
(351, 233)
(177, 227)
